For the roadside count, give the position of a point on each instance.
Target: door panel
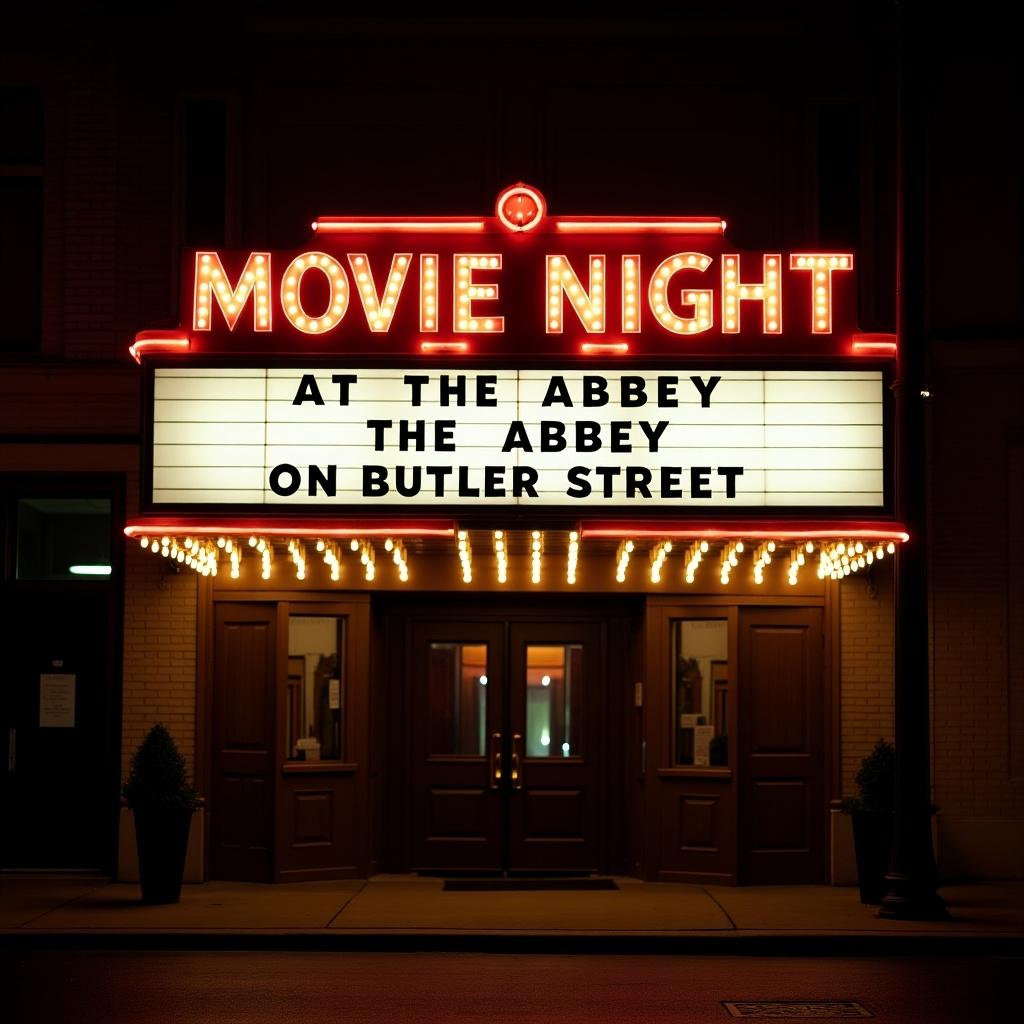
(242, 808)
(555, 721)
(56, 789)
(457, 677)
(781, 739)
(505, 746)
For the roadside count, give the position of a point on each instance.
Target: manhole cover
(779, 1009)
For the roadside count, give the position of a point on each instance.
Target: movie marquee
(583, 367)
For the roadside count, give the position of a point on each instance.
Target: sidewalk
(398, 911)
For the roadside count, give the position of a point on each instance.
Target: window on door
(315, 703)
(458, 699)
(700, 691)
(553, 695)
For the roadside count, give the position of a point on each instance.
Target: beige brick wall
(159, 651)
(866, 665)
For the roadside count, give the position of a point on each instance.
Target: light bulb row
(572, 558)
(536, 550)
(659, 553)
(465, 556)
(501, 555)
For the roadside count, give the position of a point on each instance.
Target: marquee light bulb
(469, 291)
(821, 267)
(212, 285)
(337, 298)
(767, 291)
(587, 303)
(699, 315)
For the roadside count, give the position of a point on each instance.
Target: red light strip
(598, 348)
(441, 347)
(313, 528)
(687, 226)
(158, 341)
(779, 531)
(330, 225)
(874, 343)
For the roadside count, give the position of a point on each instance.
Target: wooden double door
(506, 745)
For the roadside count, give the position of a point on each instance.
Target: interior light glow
(89, 570)
(482, 680)
(545, 680)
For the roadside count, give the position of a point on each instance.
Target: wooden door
(555, 689)
(781, 708)
(459, 746)
(243, 728)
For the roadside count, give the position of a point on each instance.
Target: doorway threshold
(529, 885)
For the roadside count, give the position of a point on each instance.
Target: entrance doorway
(506, 745)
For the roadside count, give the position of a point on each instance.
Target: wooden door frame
(358, 657)
(659, 611)
(394, 617)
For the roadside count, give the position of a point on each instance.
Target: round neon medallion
(520, 207)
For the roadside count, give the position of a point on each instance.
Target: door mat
(529, 885)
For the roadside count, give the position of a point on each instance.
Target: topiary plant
(157, 776)
(876, 781)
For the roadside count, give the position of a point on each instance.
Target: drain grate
(529, 884)
(778, 1009)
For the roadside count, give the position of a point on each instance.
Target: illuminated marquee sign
(352, 436)
(521, 359)
(519, 282)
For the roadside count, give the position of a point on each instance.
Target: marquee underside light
(520, 559)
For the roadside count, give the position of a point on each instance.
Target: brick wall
(866, 665)
(159, 651)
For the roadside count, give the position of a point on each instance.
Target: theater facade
(518, 539)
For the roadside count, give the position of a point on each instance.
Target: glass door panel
(554, 681)
(458, 678)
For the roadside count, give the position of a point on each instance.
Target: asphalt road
(314, 987)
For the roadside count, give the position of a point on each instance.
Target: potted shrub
(162, 802)
(872, 811)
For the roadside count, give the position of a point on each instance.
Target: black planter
(872, 842)
(161, 835)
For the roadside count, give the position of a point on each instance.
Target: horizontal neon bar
(687, 225)
(767, 531)
(158, 341)
(593, 348)
(444, 346)
(341, 224)
(874, 343)
(328, 528)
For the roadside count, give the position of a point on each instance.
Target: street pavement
(92, 987)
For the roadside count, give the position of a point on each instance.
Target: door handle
(517, 771)
(12, 738)
(495, 760)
